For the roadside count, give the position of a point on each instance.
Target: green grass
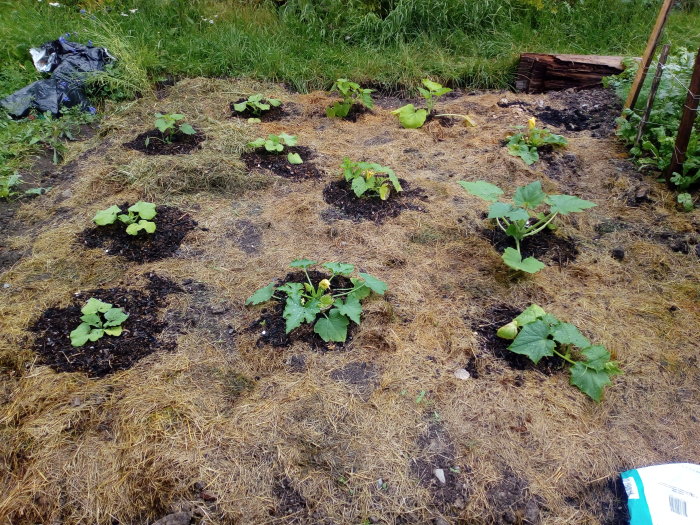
(309, 43)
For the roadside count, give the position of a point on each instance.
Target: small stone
(207, 496)
(462, 373)
(504, 100)
(618, 253)
(440, 475)
(198, 485)
(6, 285)
(178, 518)
(380, 483)
(218, 309)
(532, 512)
(76, 402)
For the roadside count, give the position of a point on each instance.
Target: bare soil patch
(547, 245)
(159, 144)
(271, 115)
(172, 225)
(278, 164)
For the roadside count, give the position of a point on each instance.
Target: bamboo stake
(652, 93)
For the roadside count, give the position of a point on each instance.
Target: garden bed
(422, 416)
(154, 142)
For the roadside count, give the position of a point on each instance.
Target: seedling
(10, 183)
(329, 309)
(99, 318)
(520, 219)
(276, 144)
(257, 105)
(137, 218)
(352, 93)
(684, 199)
(537, 334)
(168, 125)
(412, 118)
(527, 143)
(366, 178)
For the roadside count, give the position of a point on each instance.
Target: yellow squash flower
(531, 123)
(325, 284)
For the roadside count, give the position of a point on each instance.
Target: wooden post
(652, 92)
(690, 110)
(648, 54)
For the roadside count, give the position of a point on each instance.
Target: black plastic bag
(69, 63)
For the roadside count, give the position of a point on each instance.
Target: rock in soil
(179, 518)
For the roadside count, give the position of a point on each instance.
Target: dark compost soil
(171, 227)
(180, 143)
(289, 502)
(594, 110)
(108, 354)
(274, 113)
(340, 195)
(486, 328)
(356, 111)
(545, 246)
(278, 164)
(271, 325)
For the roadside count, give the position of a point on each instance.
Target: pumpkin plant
(352, 93)
(256, 105)
(328, 308)
(410, 116)
(370, 179)
(526, 144)
(99, 318)
(138, 217)
(537, 334)
(520, 219)
(276, 144)
(168, 125)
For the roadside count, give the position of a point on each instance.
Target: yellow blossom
(531, 123)
(325, 284)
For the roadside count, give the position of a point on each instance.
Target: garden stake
(652, 93)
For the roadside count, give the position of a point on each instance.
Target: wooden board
(539, 73)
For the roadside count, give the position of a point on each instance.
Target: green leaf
(359, 186)
(333, 328)
(289, 140)
(525, 152)
(533, 341)
(374, 284)
(339, 268)
(568, 334)
(240, 107)
(274, 102)
(596, 357)
(95, 305)
(253, 120)
(350, 308)
(262, 295)
(114, 330)
(530, 196)
(146, 210)
(187, 129)
(565, 204)
(294, 158)
(508, 331)
(482, 189)
(302, 263)
(257, 143)
(133, 229)
(96, 334)
(148, 226)
(504, 209)
(339, 110)
(108, 216)
(296, 313)
(512, 258)
(79, 336)
(410, 117)
(591, 382)
(531, 314)
(384, 192)
(361, 290)
(293, 289)
(115, 317)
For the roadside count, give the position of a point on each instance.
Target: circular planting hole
(172, 225)
(340, 195)
(178, 144)
(272, 114)
(278, 164)
(110, 353)
(546, 245)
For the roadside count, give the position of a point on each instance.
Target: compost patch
(272, 114)
(289, 502)
(510, 501)
(356, 111)
(172, 225)
(546, 245)
(278, 164)
(271, 324)
(180, 143)
(486, 328)
(594, 110)
(340, 195)
(108, 354)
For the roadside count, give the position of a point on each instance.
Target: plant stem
(571, 361)
(498, 221)
(533, 232)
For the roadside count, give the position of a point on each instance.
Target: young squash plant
(256, 105)
(537, 334)
(329, 309)
(526, 144)
(370, 179)
(411, 117)
(520, 219)
(99, 318)
(138, 217)
(168, 125)
(352, 93)
(276, 144)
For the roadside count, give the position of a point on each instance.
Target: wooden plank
(690, 112)
(648, 55)
(538, 73)
(652, 91)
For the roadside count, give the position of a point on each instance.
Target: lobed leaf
(565, 204)
(512, 257)
(339, 268)
(530, 196)
(507, 210)
(95, 305)
(568, 334)
(533, 341)
(482, 189)
(333, 328)
(531, 314)
(351, 308)
(294, 158)
(374, 284)
(107, 216)
(187, 129)
(589, 381)
(146, 210)
(302, 263)
(261, 295)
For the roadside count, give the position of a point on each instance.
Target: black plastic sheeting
(69, 63)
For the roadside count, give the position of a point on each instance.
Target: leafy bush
(99, 318)
(352, 93)
(137, 218)
(412, 118)
(519, 219)
(329, 310)
(527, 143)
(276, 144)
(365, 178)
(537, 334)
(257, 105)
(168, 125)
(656, 146)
